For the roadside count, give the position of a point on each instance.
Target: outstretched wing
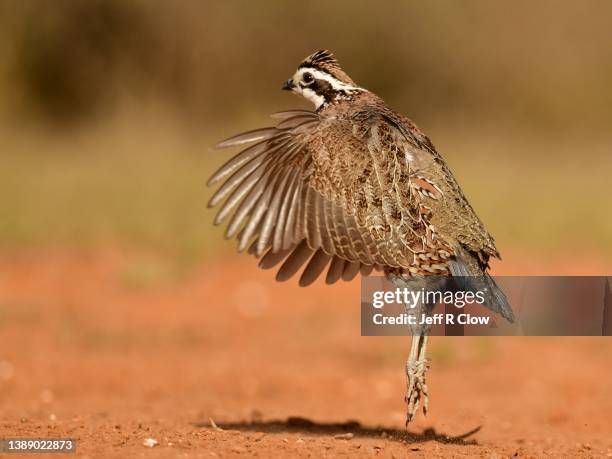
(329, 194)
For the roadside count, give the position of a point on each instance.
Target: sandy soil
(112, 351)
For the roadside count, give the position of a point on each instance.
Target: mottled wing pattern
(453, 216)
(329, 194)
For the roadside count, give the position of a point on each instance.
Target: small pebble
(346, 436)
(149, 442)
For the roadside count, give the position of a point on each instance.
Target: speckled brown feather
(348, 188)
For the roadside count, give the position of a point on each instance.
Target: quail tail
(470, 278)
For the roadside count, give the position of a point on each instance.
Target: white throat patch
(312, 96)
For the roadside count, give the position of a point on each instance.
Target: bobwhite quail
(349, 188)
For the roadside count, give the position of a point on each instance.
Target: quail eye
(307, 78)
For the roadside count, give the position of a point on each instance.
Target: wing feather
(311, 217)
(247, 204)
(236, 179)
(290, 113)
(247, 137)
(298, 196)
(326, 227)
(283, 213)
(292, 226)
(256, 216)
(237, 161)
(271, 219)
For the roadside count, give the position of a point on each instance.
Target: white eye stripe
(335, 84)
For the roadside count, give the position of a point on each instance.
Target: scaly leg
(416, 366)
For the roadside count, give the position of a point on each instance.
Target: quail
(351, 188)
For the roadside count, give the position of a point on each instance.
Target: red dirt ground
(87, 352)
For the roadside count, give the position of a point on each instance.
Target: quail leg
(416, 366)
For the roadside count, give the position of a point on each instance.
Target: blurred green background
(107, 109)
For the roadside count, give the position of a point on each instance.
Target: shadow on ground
(306, 426)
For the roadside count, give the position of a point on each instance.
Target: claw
(416, 391)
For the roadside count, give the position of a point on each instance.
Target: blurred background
(108, 256)
(107, 109)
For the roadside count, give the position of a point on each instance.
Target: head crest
(325, 60)
(322, 58)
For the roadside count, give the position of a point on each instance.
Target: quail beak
(287, 85)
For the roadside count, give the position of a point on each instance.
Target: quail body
(350, 188)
